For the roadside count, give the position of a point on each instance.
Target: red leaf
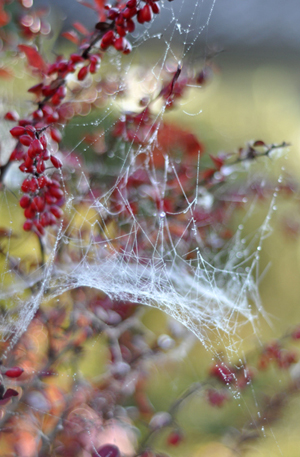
(35, 60)
(88, 5)
(100, 4)
(80, 28)
(208, 174)
(71, 36)
(217, 161)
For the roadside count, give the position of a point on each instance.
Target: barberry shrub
(130, 210)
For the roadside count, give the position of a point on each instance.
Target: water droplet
(240, 227)
(274, 208)
(258, 248)
(162, 214)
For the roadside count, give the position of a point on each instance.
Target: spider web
(139, 257)
(142, 261)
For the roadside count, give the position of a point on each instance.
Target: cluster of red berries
(273, 352)
(240, 377)
(123, 22)
(62, 68)
(43, 196)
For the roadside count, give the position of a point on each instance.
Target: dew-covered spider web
(142, 225)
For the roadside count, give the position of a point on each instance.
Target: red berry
(107, 39)
(52, 69)
(29, 212)
(120, 20)
(223, 373)
(216, 398)
(44, 181)
(130, 26)
(56, 162)
(56, 99)
(55, 192)
(55, 183)
(38, 114)
(44, 220)
(25, 201)
(108, 450)
(127, 48)
(56, 135)
(113, 13)
(95, 59)
(54, 117)
(82, 73)
(40, 168)
(30, 130)
(47, 110)
(50, 199)
(27, 226)
(14, 372)
(174, 438)
(147, 13)
(131, 3)
(33, 184)
(26, 185)
(35, 148)
(75, 58)
(25, 140)
(23, 168)
(17, 131)
(12, 116)
(155, 7)
(56, 211)
(28, 162)
(38, 203)
(39, 227)
(48, 91)
(51, 219)
(62, 66)
(128, 13)
(93, 68)
(43, 141)
(119, 44)
(121, 31)
(46, 155)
